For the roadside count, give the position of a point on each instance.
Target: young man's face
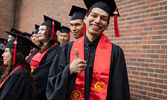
(63, 38)
(96, 21)
(77, 28)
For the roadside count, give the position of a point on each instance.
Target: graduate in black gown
(91, 68)
(41, 61)
(17, 82)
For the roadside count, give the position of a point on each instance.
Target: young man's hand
(78, 65)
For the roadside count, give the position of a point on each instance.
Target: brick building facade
(6, 16)
(143, 29)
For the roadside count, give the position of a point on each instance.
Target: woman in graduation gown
(17, 82)
(96, 70)
(41, 61)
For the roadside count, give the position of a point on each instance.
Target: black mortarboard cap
(77, 13)
(53, 24)
(2, 49)
(48, 22)
(20, 33)
(65, 29)
(36, 29)
(3, 41)
(15, 31)
(26, 34)
(23, 43)
(108, 5)
(36, 26)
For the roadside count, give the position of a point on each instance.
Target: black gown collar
(93, 43)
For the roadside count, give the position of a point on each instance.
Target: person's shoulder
(116, 48)
(67, 45)
(20, 73)
(55, 47)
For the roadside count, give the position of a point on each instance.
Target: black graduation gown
(1, 73)
(31, 56)
(60, 83)
(16, 87)
(41, 73)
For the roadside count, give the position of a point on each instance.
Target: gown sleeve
(118, 88)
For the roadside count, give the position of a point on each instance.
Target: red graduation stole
(18, 67)
(35, 61)
(101, 70)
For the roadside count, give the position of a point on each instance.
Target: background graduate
(91, 68)
(17, 82)
(76, 23)
(34, 38)
(3, 41)
(41, 61)
(64, 35)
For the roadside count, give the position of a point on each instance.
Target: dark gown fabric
(41, 73)
(31, 56)
(60, 83)
(17, 86)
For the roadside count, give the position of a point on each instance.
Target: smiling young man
(91, 68)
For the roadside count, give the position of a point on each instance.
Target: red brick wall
(6, 7)
(143, 25)
(30, 12)
(143, 29)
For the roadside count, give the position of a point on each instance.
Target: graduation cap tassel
(15, 47)
(116, 23)
(21, 33)
(53, 30)
(4, 42)
(84, 31)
